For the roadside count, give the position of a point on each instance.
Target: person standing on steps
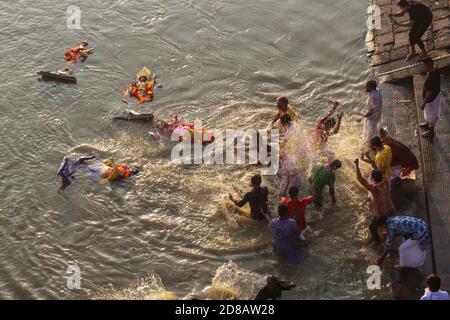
(372, 118)
(420, 20)
(432, 97)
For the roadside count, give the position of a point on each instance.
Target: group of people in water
(390, 162)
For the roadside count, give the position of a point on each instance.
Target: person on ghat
(420, 20)
(297, 208)
(381, 196)
(403, 159)
(257, 199)
(372, 118)
(416, 235)
(383, 157)
(432, 96)
(322, 176)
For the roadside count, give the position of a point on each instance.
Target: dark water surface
(223, 62)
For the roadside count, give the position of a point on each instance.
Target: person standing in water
(257, 199)
(286, 237)
(272, 290)
(420, 20)
(381, 196)
(325, 127)
(431, 94)
(372, 118)
(321, 176)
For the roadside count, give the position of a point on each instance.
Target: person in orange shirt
(297, 208)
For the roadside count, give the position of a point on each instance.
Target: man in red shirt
(403, 159)
(297, 208)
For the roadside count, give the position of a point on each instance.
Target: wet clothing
(321, 176)
(409, 228)
(286, 236)
(257, 199)
(383, 160)
(401, 155)
(297, 209)
(274, 293)
(421, 17)
(437, 295)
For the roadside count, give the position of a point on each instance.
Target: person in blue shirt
(286, 237)
(433, 290)
(416, 235)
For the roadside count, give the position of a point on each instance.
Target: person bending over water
(272, 290)
(257, 199)
(321, 176)
(420, 20)
(286, 237)
(416, 235)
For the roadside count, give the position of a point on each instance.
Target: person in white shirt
(433, 292)
(372, 118)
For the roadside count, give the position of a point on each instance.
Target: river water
(164, 233)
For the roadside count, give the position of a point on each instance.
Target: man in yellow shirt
(383, 157)
(284, 108)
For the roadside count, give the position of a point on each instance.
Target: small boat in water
(57, 76)
(131, 115)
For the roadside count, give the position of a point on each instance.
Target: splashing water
(234, 282)
(149, 287)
